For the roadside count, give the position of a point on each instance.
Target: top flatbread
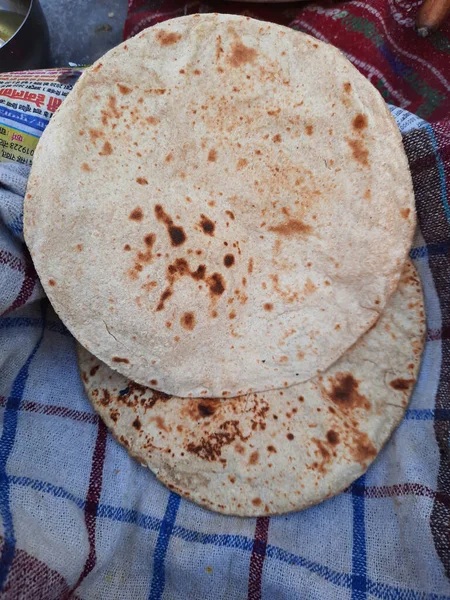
(221, 205)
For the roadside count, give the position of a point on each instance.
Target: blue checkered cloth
(81, 519)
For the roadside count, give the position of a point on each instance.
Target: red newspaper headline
(38, 99)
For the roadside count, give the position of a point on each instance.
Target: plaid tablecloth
(80, 519)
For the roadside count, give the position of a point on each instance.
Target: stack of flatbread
(221, 214)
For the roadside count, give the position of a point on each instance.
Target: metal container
(28, 48)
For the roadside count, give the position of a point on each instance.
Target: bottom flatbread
(278, 451)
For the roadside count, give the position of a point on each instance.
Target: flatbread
(220, 206)
(277, 451)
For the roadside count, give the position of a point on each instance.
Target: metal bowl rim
(25, 18)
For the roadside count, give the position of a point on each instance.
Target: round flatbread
(277, 451)
(211, 210)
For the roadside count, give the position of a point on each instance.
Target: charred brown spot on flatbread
(241, 54)
(124, 89)
(291, 227)
(253, 458)
(362, 449)
(359, 151)
(402, 385)
(106, 398)
(228, 260)
(112, 105)
(332, 436)
(178, 268)
(149, 239)
(360, 122)
(168, 38)
(141, 181)
(149, 285)
(188, 321)
(143, 258)
(136, 214)
(199, 273)
(219, 47)
(94, 370)
(212, 155)
(211, 444)
(207, 225)
(206, 408)
(216, 284)
(118, 359)
(106, 150)
(324, 456)
(167, 293)
(94, 134)
(157, 395)
(345, 392)
(160, 423)
(123, 440)
(176, 233)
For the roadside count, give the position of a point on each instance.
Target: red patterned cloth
(376, 35)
